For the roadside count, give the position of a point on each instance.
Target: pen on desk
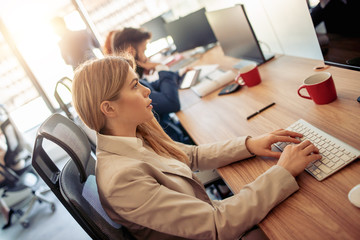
(256, 113)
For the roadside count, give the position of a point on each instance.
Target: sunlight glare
(74, 21)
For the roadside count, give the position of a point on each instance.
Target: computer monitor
(339, 35)
(157, 28)
(191, 31)
(236, 37)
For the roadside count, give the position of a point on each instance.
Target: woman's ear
(107, 109)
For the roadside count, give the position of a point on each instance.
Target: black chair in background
(75, 184)
(63, 97)
(63, 86)
(17, 149)
(18, 175)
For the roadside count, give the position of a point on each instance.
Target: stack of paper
(213, 81)
(206, 70)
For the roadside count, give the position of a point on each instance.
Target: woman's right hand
(296, 157)
(184, 70)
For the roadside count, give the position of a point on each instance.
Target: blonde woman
(145, 179)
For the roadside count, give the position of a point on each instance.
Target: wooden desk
(319, 210)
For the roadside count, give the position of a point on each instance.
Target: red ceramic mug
(249, 76)
(321, 88)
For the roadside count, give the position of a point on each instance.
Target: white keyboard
(335, 153)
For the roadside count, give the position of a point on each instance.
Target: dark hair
(108, 45)
(129, 37)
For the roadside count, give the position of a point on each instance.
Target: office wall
(293, 27)
(283, 27)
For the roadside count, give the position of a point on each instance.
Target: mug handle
(239, 80)
(303, 96)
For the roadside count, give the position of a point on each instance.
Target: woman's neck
(121, 131)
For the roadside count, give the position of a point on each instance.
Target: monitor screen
(235, 34)
(337, 28)
(157, 28)
(191, 31)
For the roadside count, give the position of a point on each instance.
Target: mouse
(230, 89)
(354, 196)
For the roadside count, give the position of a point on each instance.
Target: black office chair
(18, 174)
(63, 86)
(63, 90)
(17, 150)
(75, 184)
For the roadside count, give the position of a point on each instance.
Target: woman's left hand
(261, 145)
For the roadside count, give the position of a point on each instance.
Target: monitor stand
(268, 56)
(244, 63)
(209, 46)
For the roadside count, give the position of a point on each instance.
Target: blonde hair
(101, 80)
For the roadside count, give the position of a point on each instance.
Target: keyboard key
(330, 164)
(312, 168)
(325, 160)
(339, 154)
(329, 148)
(345, 158)
(334, 150)
(338, 164)
(324, 168)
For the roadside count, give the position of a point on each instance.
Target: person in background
(164, 91)
(135, 40)
(76, 46)
(145, 180)
(339, 16)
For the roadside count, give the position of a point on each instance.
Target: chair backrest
(10, 178)
(74, 185)
(63, 87)
(16, 145)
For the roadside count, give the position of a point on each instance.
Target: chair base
(37, 196)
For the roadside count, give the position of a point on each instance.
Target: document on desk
(213, 81)
(206, 70)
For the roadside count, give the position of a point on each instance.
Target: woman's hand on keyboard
(261, 145)
(296, 157)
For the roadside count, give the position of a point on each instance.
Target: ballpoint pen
(256, 113)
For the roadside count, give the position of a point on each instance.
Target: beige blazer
(139, 190)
